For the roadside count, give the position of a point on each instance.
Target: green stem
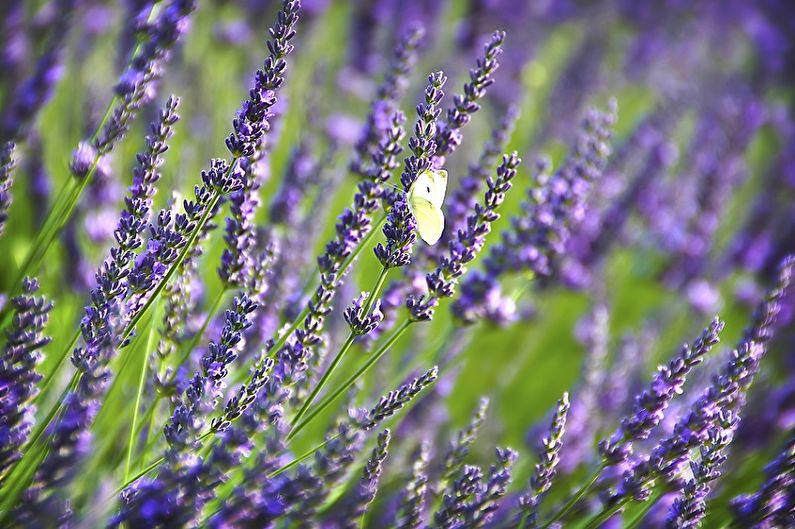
(49, 377)
(302, 457)
(605, 514)
(379, 284)
(150, 467)
(183, 254)
(44, 232)
(197, 336)
(345, 386)
(150, 419)
(643, 512)
(138, 395)
(343, 350)
(322, 382)
(577, 497)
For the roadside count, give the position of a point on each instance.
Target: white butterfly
(425, 197)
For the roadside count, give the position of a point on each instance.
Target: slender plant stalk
(281, 340)
(138, 395)
(343, 350)
(577, 497)
(198, 335)
(62, 356)
(57, 216)
(643, 512)
(345, 386)
(322, 382)
(605, 514)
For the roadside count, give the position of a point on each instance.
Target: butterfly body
(425, 198)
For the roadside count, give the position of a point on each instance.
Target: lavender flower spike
(548, 458)
(423, 142)
(774, 502)
(400, 232)
(650, 405)
(368, 486)
(448, 136)
(146, 67)
(395, 400)
(441, 282)
(176, 495)
(386, 101)
(487, 497)
(18, 376)
(360, 323)
(689, 509)
(412, 502)
(7, 165)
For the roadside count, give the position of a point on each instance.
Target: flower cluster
(167, 368)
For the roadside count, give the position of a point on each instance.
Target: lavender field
(397, 264)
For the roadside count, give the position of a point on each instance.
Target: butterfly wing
(430, 185)
(429, 218)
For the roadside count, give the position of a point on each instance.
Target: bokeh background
(711, 82)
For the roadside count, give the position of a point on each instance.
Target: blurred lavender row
(218, 312)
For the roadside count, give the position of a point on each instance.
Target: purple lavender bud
(459, 447)
(18, 376)
(468, 243)
(360, 323)
(412, 502)
(135, 86)
(464, 198)
(252, 120)
(7, 165)
(545, 469)
(240, 236)
(386, 101)
(207, 385)
(368, 485)
(689, 509)
(395, 400)
(351, 228)
(244, 397)
(32, 94)
(773, 504)
(456, 499)
(400, 232)
(448, 134)
(486, 499)
(651, 403)
(556, 204)
(423, 142)
(83, 160)
(329, 466)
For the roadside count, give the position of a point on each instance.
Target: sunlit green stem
(643, 512)
(138, 394)
(345, 386)
(605, 514)
(577, 497)
(343, 350)
(198, 335)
